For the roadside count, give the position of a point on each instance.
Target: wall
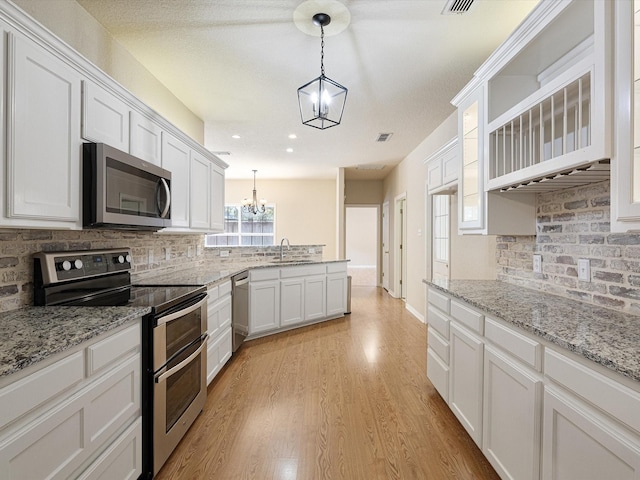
(362, 236)
(573, 224)
(363, 192)
(305, 209)
(69, 21)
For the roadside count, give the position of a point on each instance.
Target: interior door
(385, 245)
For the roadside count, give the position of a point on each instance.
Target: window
(245, 229)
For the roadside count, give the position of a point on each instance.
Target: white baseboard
(415, 313)
(392, 293)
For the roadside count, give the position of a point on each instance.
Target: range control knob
(120, 259)
(128, 258)
(78, 264)
(66, 265)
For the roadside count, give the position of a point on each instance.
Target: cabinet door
(291, 301)
(336, 294)
(511, 422)
(465, 383)
(315, 297)
(450, 165)
(470, 185)
(105, 118)
(217, 199)
(145, 139)
(580, 444)
(434, 174)
(199, 192)
(264, 306)
(176, 158)
(43, 135)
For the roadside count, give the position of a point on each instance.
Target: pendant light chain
(321, 50)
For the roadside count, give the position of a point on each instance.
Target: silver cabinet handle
(167, 194)
(184, 363)
(181, 313)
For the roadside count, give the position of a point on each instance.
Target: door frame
(385, 233)
(400, 246)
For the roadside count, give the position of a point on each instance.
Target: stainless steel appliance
(240, 308)
(174, 339)
(122, 191)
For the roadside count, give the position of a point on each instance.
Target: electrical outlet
(167, 253)
(537, 263)
(312, 251)
(189, 251)
(224, 253)
(198, 250)
(150, 256)
(584, 270)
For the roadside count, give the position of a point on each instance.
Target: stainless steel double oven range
(174, 338)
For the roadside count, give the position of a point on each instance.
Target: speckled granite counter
(607, 337)
(205, 275)
(30, 335)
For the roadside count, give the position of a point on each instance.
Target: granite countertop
(32, 334)
(608, 337)
(205, 275)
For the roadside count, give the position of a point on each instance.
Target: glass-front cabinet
(625, 178)
(470, 189)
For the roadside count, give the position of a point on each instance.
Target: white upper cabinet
(442, 169)
(145, 139)
(625, 168)
(199, 192)
(176, 157)
(43, 138)
(217, 199)
(105, 118)
(549, 98)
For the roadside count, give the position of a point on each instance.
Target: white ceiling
(238, 63)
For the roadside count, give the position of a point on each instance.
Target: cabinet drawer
(614, 398)
(439, 300)
(18, 398)
(439, 345)
(337, 267)
(224, 289)
(521, 347)
(438, 374)
(302, 271)
(259, 274)
(113, 348)
(468, 317)
(437, 321)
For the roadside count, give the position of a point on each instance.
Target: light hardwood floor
(345, 399)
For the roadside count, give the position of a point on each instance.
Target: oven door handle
(184, 363)
(181, 313)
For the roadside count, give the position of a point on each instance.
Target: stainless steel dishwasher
(240, 308)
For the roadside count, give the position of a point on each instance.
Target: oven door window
(131, 191)
(181, 332)
(182, 388)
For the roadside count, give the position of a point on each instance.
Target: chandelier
(252, 205)
(322, 99)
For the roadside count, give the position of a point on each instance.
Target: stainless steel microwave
(121, 191)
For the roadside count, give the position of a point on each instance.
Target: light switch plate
(584, 270)
(537, 263)
(312, 250)
(224, 253)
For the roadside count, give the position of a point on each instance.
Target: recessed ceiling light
(289, 150)
(235, 136)
(293, 136)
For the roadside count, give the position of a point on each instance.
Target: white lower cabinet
(315, 297)
(264, 306)
(92, 429)
(536, 411)
(581, 444)
(465, 384)
(219, 348)
(511, 421)
(292, 299)
(336, 294)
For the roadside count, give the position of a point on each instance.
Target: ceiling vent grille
(383, 137)
(457, 7)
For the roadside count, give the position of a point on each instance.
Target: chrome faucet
(288, 247)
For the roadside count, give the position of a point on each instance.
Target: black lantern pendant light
(321, 100)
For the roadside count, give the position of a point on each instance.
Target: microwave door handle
(184, 363)
(167, 194)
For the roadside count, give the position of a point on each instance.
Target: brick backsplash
(149, 251)
(573, 224)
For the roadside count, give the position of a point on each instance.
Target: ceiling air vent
(383, 137)
(457, 7)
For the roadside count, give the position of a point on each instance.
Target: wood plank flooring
(345, 399)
